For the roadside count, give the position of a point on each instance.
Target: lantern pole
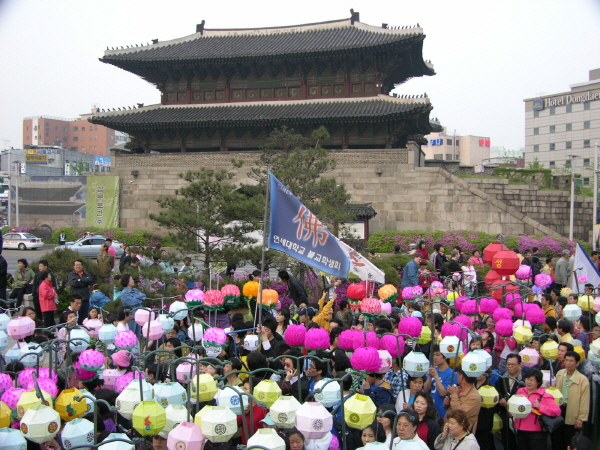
(341, 405)
(263, 249)
(298, 371)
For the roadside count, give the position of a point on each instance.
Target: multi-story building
(74, 134)
(469, 150)
(562, 129)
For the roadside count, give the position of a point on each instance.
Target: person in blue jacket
(378, 389)
(130, 296)
(410, 277)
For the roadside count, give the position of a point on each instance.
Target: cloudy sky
(489, 55)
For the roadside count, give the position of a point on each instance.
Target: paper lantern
(137, 384)
(29, 399)
(83, 375)
(370, 306)
(582, 278)
(171, 393)
(231, 293)
(523, 272)
(11, 439)
(365, 339)
(346, 339)
(107, 334)
(6, 382)
(387, 293)
(496, 424)
(179, 310)
(110, 376)
(219, 424)
(529, 357)
(535, 315)
(267, 392)
(543, 280)
(152, 330)
(186, 436)
(365, 358)
(126, 340)
(505, 262)
(128, 400)
(519, 406)
(20, 327)
(92, 327)
(89, 400)
(450, 346)
(78, 432)
(176, 414)
(491, 279)
(79, 340)
(4, 321)
(215, 337)
(3, 340)
(149, 418)
(40, 424)
(31, 353)
(316, 339)
(11, 397)
(184, 372)
(196, 332)
(123, 381)
(330, 393)
(250, 290)
(251, 342)
(565, 292)
(194, 295)
(266, 438)
(469, 307)
(501, 286)
(294, 335)
(117, 445)
(410, 326)
(359, 411)
(485, 355)
(473, 364)
(504, 327)
(213, 300)
(91, 360)
(545, 378)
(13, 354)
(204, 387)
(283, 411)
(557, 394)
(268, 299)
(5, 416)
(386, 361)
(585, 302)
(490, 251)
(167, 322)
(593, 359)
(579, 349)
(502, 314)
(572, 312)
(408, 293)
(523, 335)
(386, 308)
(356, 292)
(489, 396)
(143, 316)
(549, 350)
(313, 420)
(391, 343)
(230, 398)
(416, 364)
(68, 407)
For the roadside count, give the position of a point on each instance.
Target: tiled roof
(361, 210)
(366, 109)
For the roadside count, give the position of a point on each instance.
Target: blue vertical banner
(297, 232)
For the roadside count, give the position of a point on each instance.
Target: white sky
(489, 55)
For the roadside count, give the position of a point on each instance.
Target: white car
(22, 241)
(89, 246)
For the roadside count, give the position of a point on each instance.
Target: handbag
(551, 424)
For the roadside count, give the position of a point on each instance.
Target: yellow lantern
(489, 396)
(149, 418)
(549, 350)
(425, 337)
(250, 290)
(267, 392)
(458, 363)
(585, 302)
(206, 387)
(359, 411)
(557, 394)
(452, 296)
(522, 335)
(5, 413)
(268, 298)
(67, 407)
(579, 349)
(387, 293)
(29, 399)
(565, 292)
(496, 424)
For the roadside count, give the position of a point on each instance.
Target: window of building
(56, 128)
(586, 106)
(457, 142)
(586, 162)
(586, 125)
(552, 164)
(552, 146)
(83, 149)
(65, 139)
(536, 114)
(568, 163)
(569, 127)
(449, 141)
(112, 138)
(47, 124)
(569, 145)
(448, 157)
(536, 131)
(83, 138)
(552, 128)
(65, 129)
(95, 148)
(439, 156)
(586, 143)
(552, 111)
(82, 128)
(27, 128)
(95, 127)
(75, 139)
(586, 181)
(75, 128)
(536, 148)
(569, 108)
(28, 138)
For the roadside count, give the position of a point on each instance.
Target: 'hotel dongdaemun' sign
(569, 99)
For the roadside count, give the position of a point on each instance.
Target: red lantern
(491, 278)
(491, 250)
(508, 288)
(505, 262)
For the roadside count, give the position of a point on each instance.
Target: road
(12, 256)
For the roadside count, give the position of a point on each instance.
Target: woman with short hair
(456, 434)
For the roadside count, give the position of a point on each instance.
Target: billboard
(102, 202)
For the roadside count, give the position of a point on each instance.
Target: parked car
(89, 246)
(22, 241)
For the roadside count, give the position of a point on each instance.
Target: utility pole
(595, 218)
(572, 212)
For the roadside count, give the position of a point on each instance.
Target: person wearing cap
(159, 442)
(305, 316)
(122, 361)
(267, 422)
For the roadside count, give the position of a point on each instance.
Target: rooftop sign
(539, 104)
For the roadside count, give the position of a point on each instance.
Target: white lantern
(3, 340)
(229, 398)
(266, 438)
(386, 361)
(330, 393)
(450, 345)
(519, 406)
(90, 402)
(33, 352)
(593, 359)
(107, 333)
(127, 401)
(14, 353)
(171, 393)
(146, 387)
(179, 310)
(521, 323)
(572, 312)
(176, 414)
(79, 340)
(486, 356)
(313, 420)
(473, 365)
(251, 342)
(4, 321)
(219, 424)
(78, 432)
(167, 322)
(152, 331)
(11, 439)
(594, 346)
(40, 423)
(283, 411)
(198, 329)
(416, 364)
(117, 445)
(142, 317)
(545, 378)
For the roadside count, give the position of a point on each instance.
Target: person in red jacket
(47, 298)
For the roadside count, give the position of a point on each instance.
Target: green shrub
(125, 236)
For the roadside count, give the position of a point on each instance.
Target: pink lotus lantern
(408, 293)
(6, 382)
(185, 436)
(25, 377)
(385, 307)
(469, 307)
(185, 371)
(582, 278)
(391, 344)
(142, 317)
(502, 314)
(110, 377)
(91, 360)
(313, 420)
(370, 306)
(316, 339)
(215, 337)
(529, 357)
(124, 380)
(417, 291)
(335, 444)
(21, 327)
(386, 361)
(535, 315)
(372, 340)
(92, 327)
(83, 375)
(126, 339)
(512, 299)
(450, 329)
(231, 293)
(153, 331)
(504, 327)
(458, 303)
(11, 397)
(543, 280)
(213, 300)
(523, 272)
(411, 326)
(45, 373)
(596, 304)
(488, 305)
(365, 358)
(294, 335)
(194, 295)
(45, 384)
(346, 339)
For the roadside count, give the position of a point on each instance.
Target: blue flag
(297, 231)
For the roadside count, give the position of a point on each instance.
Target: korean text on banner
(361, 266)
(297, 231)
(102, 202)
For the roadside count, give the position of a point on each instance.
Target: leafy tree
(80, 168)
(535, 164)
(210, 216)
